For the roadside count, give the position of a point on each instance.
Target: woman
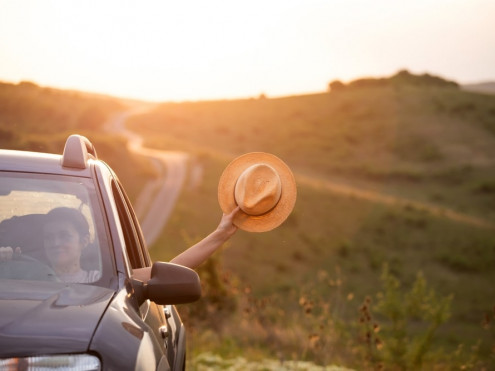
(65, 235)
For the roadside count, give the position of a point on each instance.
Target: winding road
(157, 199)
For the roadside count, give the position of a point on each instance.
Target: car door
(151, 313)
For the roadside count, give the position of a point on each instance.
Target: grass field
(434, 146)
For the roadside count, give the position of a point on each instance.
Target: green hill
(427, 149)
(430, 143)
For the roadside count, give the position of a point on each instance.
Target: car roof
(78, 158)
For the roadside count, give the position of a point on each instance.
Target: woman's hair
(73, 216)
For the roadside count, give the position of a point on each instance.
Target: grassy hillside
(430, 143)
(40, 119)
(356, 276)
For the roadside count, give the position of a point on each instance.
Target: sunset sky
(193, 50)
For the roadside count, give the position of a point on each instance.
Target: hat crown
(258, 189)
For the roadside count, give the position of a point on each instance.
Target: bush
(409, 321)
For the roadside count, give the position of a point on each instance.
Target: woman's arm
(198, 253)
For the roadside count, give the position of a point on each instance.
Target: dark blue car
(69, 243)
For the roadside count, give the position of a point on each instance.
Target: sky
(202, 50)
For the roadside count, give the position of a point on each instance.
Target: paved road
(157, 199)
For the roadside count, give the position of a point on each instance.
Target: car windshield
(51, 229)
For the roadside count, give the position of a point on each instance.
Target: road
(157, 199)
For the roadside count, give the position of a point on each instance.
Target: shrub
(409, 321)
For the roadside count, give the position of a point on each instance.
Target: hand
(226, 225)
(7, 253)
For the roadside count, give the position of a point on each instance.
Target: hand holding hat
(263, 187)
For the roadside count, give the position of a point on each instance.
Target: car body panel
(32, 309)
(137, 347)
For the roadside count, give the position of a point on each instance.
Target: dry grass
(434, 146)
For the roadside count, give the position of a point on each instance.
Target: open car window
(52, 226)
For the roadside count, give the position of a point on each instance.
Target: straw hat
(264, 188)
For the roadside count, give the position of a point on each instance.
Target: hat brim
(274, 217)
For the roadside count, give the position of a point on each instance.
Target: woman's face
(63, 246)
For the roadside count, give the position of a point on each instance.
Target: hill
(430, 143)
(36, 118)
(482, 87)
(348, 278)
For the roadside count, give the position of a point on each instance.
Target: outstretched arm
(198, 253)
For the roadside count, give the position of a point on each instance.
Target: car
(71, 245)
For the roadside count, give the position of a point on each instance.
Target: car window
(139, 234)
(51, 228)
(129, 228)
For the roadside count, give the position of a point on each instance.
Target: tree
(336, 85)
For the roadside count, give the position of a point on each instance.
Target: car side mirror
(169, 284)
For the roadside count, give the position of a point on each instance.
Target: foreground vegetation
(347, 280)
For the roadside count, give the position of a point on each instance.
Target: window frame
(133, 237)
